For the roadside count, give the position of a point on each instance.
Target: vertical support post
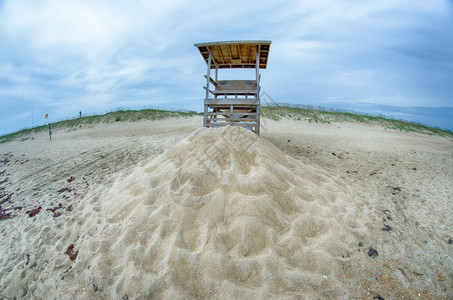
(208, 73)
(257, 128)
(216, 75)
(257, 72)
(208, 76)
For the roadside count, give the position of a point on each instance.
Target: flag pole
(50, 127)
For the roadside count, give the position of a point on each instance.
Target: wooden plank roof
(235, 54)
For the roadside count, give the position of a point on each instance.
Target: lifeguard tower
(233, 102)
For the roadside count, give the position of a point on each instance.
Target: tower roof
(235, 54)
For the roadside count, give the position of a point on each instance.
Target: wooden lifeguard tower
(233, 102)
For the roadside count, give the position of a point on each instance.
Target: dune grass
(323, 115)
(274, 112)
(110, 117)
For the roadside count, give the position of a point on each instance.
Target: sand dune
(161, 210)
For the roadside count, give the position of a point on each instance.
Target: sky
(59, 57)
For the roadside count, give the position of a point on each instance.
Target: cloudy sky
(393, 57)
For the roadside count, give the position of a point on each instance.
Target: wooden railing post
(208, 76)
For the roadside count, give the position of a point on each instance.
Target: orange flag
(47, 116)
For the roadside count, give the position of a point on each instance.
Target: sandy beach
(169, 210)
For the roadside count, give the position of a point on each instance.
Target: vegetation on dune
(110, 117)
(275, 112)
(324, 115)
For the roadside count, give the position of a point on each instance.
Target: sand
(166, 209)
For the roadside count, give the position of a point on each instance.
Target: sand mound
(221, 213)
